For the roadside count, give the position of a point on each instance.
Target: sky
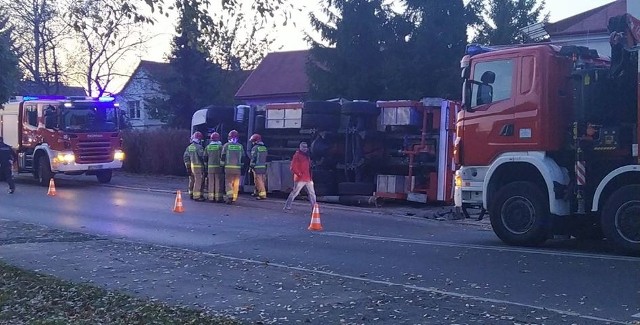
(291, 37)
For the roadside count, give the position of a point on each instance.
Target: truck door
(489, 124)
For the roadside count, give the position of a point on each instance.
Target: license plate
(95, 167)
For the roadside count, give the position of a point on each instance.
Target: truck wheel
(44, 171)
(321, 108)
(104, 176)
(519, 214)
(320, 121)
(360, 109)
(621, 218)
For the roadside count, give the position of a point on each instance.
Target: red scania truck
(547, 140)
(57, 134)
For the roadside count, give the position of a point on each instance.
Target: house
(586, 29)
(144, 84)
(280, 77)
(32, 88)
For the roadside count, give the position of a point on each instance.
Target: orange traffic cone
(52, 188)
(315, 219)
(177, 207)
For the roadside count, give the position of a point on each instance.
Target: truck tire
(321, 107)
(104, 176)
(621, 219)
(44, 171)
(320, 121)
(356, 188)
(360, 108)
(520, 214)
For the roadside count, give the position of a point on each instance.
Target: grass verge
(32, 298)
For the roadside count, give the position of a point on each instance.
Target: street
(257, 263)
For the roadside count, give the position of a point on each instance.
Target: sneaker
(260, 198)
(286, 208)
(11, 191)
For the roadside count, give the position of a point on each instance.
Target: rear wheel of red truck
(520, 214)
(621, 218)
(104, 176)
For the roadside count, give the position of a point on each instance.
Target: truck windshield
(92, 117)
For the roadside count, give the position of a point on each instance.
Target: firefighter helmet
(215, 136)
(233, 134)
(197, 136)
(255, 138)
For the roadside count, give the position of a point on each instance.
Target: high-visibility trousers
(232, 186)
(195, 184)
(261, 189)
(215, 186)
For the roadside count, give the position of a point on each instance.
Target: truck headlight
(118, 155)
(66, 158)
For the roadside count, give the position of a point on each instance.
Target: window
(494, 81)
(32, 115)
(134, 109)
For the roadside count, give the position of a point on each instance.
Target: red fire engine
(547, 140)
(70, 135)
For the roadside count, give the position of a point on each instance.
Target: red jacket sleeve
(295, 164)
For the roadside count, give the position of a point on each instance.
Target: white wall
(140, 88)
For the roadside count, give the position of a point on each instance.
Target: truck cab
(58, 134)
(547, 142)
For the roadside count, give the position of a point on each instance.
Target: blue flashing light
(106, 99)
(475, 49)
(44, 97)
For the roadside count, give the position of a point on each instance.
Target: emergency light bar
(103, 99)
(475, 49)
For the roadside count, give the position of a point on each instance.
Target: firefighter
(231, 158)
(214, 170)
(258, 165)
(193, 161)
(6, 164)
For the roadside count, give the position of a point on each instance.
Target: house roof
(155, 70)
(594, 21)
(30, 87)
(279, 74)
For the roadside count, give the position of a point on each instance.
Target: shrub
(155, 151)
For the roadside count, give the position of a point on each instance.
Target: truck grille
(91, 152)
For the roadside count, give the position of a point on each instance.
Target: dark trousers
(8, 176)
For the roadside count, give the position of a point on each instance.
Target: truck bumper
(468, 191)
(73, 167)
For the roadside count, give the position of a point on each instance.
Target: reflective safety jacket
(193, 157)
(231, 157)
(259, 158)
(212, 155)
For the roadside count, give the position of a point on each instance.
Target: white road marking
(480, 247)
(636, 315)
(411, 287)
(387, 283)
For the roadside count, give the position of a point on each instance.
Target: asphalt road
(257, 263)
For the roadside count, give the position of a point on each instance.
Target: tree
(505, 18)
(38, 34)
(236, 43)
(351, 65)
(194, 78)
(8, 61)
(436, 46)
(107, 34)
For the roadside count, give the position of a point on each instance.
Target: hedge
(155, 151)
